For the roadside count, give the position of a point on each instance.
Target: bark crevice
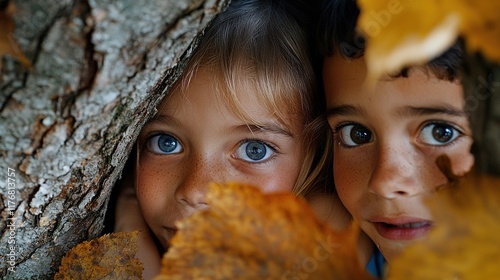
(100, 67)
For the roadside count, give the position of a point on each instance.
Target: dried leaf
(402, 33)
(8, 44)
(398, 35)
(111, 256)
(248, 235)
(465, 244)
(480, 25)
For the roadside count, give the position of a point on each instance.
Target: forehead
(345, 82)
(204, 88)
(207, 93)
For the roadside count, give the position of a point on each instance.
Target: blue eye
(438, 134)
(164, 144)
(254, 151)
(352, 135)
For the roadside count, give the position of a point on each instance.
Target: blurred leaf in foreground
(403, 33)
(249, 235)
(465, 244)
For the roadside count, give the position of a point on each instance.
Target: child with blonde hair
(247, 108)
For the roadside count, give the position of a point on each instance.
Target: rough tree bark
(100, 67)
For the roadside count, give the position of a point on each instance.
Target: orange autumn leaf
(465, 243)
(249, 235)
(8, 45)
(480, 26)
(402, 33)
(398, 35)
(111, 256)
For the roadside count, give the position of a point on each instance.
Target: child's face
(387, 139)
(195, 139)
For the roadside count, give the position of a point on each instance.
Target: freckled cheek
(275, 183)
(351, 179)
(462, 162)
(281, 179)
(154, 190)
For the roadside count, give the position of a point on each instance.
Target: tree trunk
(99, 68)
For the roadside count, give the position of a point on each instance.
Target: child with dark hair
(387, 137)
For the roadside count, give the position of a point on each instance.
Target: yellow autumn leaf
(111, 256)
(403, 33)
(465, 243)
(249, 235)
(480, 25)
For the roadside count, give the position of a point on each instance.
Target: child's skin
(387, 139)
(245, 109)
(196, 139)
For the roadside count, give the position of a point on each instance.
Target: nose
(396, 172)
(192, 188)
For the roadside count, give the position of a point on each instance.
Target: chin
(391, 251)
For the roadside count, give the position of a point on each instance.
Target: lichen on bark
(99, 68)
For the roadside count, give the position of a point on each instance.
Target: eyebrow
(435, 110)
(161, 119)
(254, 128)
(350, 110)
(343, 110)
(263, 128)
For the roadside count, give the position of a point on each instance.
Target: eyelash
(151, 135)
(440, 122)
(336, 134)
(270, 145)
(339, 126)
(460, 131)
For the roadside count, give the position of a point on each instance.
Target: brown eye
(438, 134)
(352, 135)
